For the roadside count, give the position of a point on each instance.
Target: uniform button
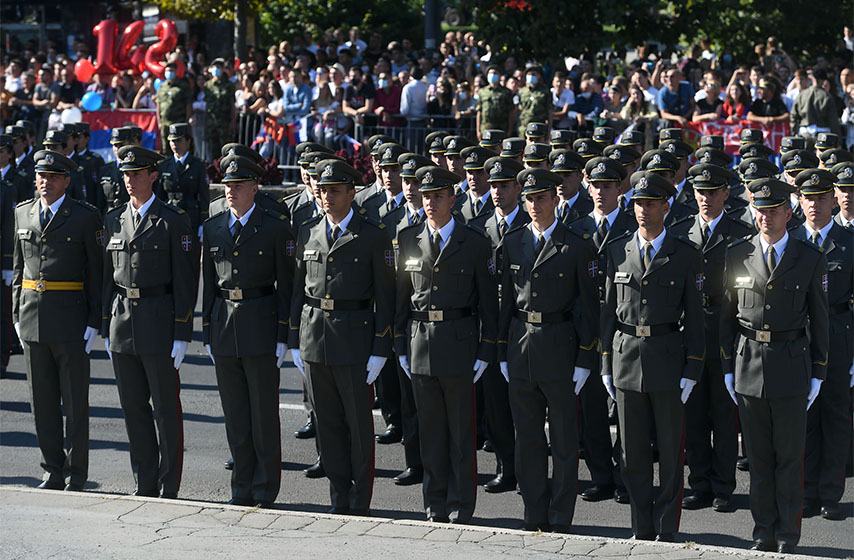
(134, 245)
(672, 282)
(435, 269)
(706, 261)
(770, 286)
(536, 275)
(44, 239)
(330, 259)
(234, 271)
(41, 274)
(133, 285)
(645, 282)
(327, 296)
(765, 327)
(44, 258)
(328, 277)
(236, 253)
(643, 301)
(534, 294)
(435, 288)
(531, 330)
(643, 319)
(326, 313)
(133, 265)
(135, 303)
(560, 275)
(432, 307)
(767, 307)
(236, 305)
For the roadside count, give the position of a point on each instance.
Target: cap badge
(232, 167)
(752, 151)
(831, 158)
(600, 167)
(616, 154)
(452, 143)
(48, 159)
(797, 159)
(388, 153)
(814, 180)
(706, 175)
(410, 164)
(473, 157)
(486, 135)
(232, 151)
(751, 168)
(656, 159)
(848, 172)
(428, 178)
(583, 147)
(129, 157)
(530, 181)
(643, 183)
(671, 148)
(496, 168)
(707, 157)
(765, 191)
(327, 173)
(560, 159)
(822, 137)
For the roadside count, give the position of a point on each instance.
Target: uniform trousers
(595, 431)
(343, 405)
(409, 420)
(249, 391)
(58, 376)
(499, 418)
(156, 456)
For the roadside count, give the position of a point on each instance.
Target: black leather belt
(151, 291)
(647, 330)
(535, 317)
(338, 304)
(238, 294)
(839, 308)
(771, 336)
(438, 315)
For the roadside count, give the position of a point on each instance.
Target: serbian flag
(102, 123)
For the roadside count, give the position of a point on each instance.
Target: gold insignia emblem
(232, 152)
(600, 168)
(583, 147)
(428, 177)
(797, 159)
(707, 157)
(707, 175)
(751, 168)
(327, 173)
(671, 148)
(507, 145)
(752, 151)
(822, 137)
(643, 183)
(496, 168)
(487, 135)
(410, 164)
(378, 143)
(530, 181)
(831, 159)
(560, 159)
(656, 159)
(847, 172)
(388, 153)
(173, 129)
(48, 159)
(765, 191)
(232, 167)
(452, 144)
(129, 157)
(473, 157)
(814, 180)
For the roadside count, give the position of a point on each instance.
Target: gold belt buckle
(642, 330)
(235, 294)
(763, 336)
(40, 286)
(327, 304)
(535, 317)
(132, 293)
(436, 315)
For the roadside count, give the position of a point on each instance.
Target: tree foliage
(206, 10)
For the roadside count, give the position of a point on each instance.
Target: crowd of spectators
(337, 82)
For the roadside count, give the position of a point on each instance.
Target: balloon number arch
(114, 54)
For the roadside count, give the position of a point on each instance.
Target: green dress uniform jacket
(185, 186)
(264, 199)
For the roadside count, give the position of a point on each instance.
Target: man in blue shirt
(297, 97)
(676, 101)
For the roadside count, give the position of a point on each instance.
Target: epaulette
(209, 218)
(582, 234)
(812, 245)
(22, 173)
(117, 208)
(218, 197)
(274, 214)
(85, 204)
(370, 220)
(477, 230)
(688, 242)
(173, 208)
(739, 241)
(621, 236)
(455, 212)
(313, 220)
(25, 202)
(362, 211)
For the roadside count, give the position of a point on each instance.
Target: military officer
(112, 192)
(513, 148)
(831, 157)
(391, 196)
(494, 108)
(174, 102)
(491, 139)
(560, 138)
(573, 203)
(445, 331)
(23, 161)
(536, 133)
(709, 411)
(56, 299)
(58, 140)
(605, 135)
(89, 161)
(149, 298)
(183, 177)
(665, 164)
(653, 349)
(376, 188)
(774, 345)
(828, 422)
(634, 139)
(535, 103)
(264, 198)
(536, 155)
(478, 200)
(245, 327)
(548, 293)
(844, 193)
(755, 150)
(630, 159)
(341, 315)
(220, 111)
(8, 196)
(435, 146)
(587, 148)
(681, 151)
(749, 170)
(792, 143)
(508, 214)
(825, 141)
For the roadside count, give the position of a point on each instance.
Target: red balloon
(84, 70)
(137, 58)
(124, 59)
(168, 35)
(106, 31)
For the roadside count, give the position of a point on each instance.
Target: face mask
(216, 72)
(493, 78)
(382, 83)
(531, 79)
(464, 95)
(169, 75)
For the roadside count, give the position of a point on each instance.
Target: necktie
(647, 255)
(562, 209)
(502, 227)
(336, 233)
(603, 228)
(705, 233)
(236, 229)
(541, 241)
(46, 216)
(391, 204)
(435, 246)
(622, 199)
(136, 219)
(771, 260)
(478, 204)
(816, 238)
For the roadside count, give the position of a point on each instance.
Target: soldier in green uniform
(246, 309)
(494, 104)
(220, 112)
(149, 298)
(828, 422)
(535, 100)
(90, 162)
(183, 177)
(709, 411)
(444, 332)
(58, 262)
(340, 332)
(23, 161)
(435, 145)
(8, 199)
(174, 103)
(59, 141)
(774, 347)
(376, 188)
(548, 293)
(653, 347)
(111, 192)
(263, 197)
(537, 133)
(477, 200)
(573, 203)
(491, 139)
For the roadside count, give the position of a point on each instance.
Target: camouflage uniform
(494, 104)
(219, 99)
(172, 100)
(534, 105)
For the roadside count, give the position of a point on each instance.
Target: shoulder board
(362, 212)
(85, 204)
(479, 231)
(218, 197)
(220, 213)
(313, 220)
(369, 220)
(688, 242)
(455, 212)
(411, 229)
(116, 209)
(577, 233)
(811, 245)
(739, 241)
(274, 214)
(622, 236)
(173, 208)
(22, 173)
(25, 202)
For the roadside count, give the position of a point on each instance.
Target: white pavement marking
(286, 406)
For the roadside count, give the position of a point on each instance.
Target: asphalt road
(205, 479)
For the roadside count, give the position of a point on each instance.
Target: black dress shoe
(560, 528)
(169, 495)
(764, 546)
(832, 512)
(597, 493)
(665, 537)
(147, 493)
(811, 509)
(500, 484)
(697, 500)
(264, 504)
(534, 527)
(229, 465)
(723, 504)
(644, 537)
(307, 431)
(378, 403)
(785, 548)
(487, 446)
(73, 487)
(315, 471)
(743, 465)
(409, 477)
(338, 510)
(51, 485)
(438, 519)
(391, 435)
(360, 512)
(459, 521)
(621, 495)
(246, 502)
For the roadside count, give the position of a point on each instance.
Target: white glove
(505, 371)
(851, 374)
(107, 346)
(404, 363)
(374, 367)
(18, 330)
(179, 348)
(200, 233)
(281, 352)
(7, 277)
(210, 354)
(608, 382)
(580, 376)
(729, 383)
(89, 337)
(479, 368)
(687, 385)
(298, 361)
(815, 387)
